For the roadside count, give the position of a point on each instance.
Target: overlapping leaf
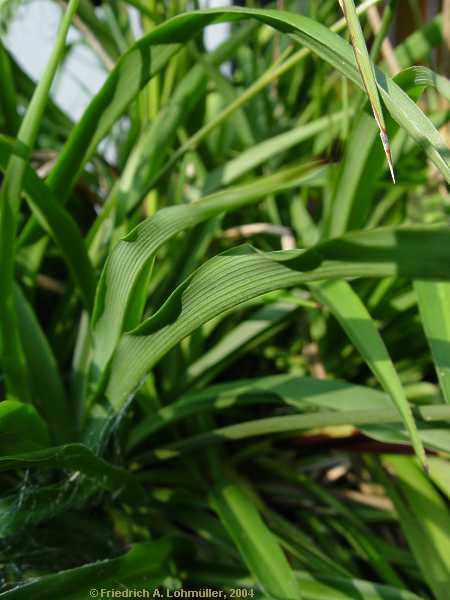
(228, 280)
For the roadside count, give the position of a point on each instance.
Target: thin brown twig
(92, 40)
(381, 502)
(50, 284)
(44, 159)
(312, 354)
(245, 231)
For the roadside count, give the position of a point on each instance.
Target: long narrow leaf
(48, 393)
(434, 303)
(301, 393)
(365, 68)
(367, 420)
(257, 544)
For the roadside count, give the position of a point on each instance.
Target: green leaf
(256, 543)
(132, 72)
(373, 422)
(34, 505)
(228, 94)
(404, 110)
(416, 79)
(21, 428)
(258, 327)
(139, 247)
(47, 389)
(260, 153)
(434, 298)
(357, 177)
(300, 545)
(440, 474)
(144, 566)
(362, 167)
(8, 98)
(424, 518)
(300, 393)
(434, 435)
(415, 48)
(312, 586)
(366, 543)
(76, 457)
(355, 319)
(333, 588)
(142, 7)
(365, 68)
(58, 223)
(434, 304)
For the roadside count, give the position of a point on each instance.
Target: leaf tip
(391, 169)
(387, 151)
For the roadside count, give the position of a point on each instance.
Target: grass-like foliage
(224, 330)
